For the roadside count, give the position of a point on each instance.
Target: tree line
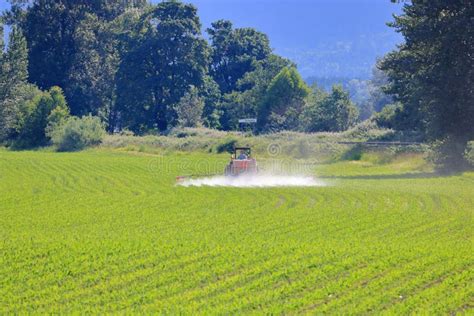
(148, 68)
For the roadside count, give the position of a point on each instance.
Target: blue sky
(324, 37)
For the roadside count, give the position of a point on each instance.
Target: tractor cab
(242, 153)
(241, 162)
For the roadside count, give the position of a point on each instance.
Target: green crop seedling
(109, 231)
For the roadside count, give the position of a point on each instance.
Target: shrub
(78, 133)
(353, 154)
(368, 130)
(227, 145)
(182, 132)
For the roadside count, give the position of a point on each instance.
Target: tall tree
(49, 26)
(91, 77)
(234, 52)
(13, 75)
(283, 102)
(2, 62)
(168, 56)
(332, 112)
(15, 61)
(212, 110)
(190, 108)
(252, 91)
(58, 33)
(432, 73)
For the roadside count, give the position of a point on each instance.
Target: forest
(131, 66)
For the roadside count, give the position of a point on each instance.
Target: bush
(353, 154)
(182, 132)
(78, 133)
(227, 145)
(367, 130)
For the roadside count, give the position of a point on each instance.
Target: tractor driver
(242, 156)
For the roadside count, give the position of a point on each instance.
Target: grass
(322, 147)
(108, 231)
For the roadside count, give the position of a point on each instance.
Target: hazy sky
(324, 37)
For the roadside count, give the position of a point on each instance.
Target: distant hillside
(358, 88)
(326, 83)
(352, 58)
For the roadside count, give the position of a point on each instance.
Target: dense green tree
(311, 114)
(252, 89)
(234, 52)
(389, 116)
(13, 77)
(60, 111)
(332, 112)
(91, 84)
(14, 65)
(3, 64)
(69, 48)
(212, 111)
(46, 109)
(168, 56)
(283, 102)
(133, 65)
(432, 73)
(49, 27)
(189, 109)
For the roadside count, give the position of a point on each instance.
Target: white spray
(259, 180)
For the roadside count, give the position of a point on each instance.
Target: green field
(108, 231)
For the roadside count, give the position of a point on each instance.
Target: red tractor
(241, 163)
